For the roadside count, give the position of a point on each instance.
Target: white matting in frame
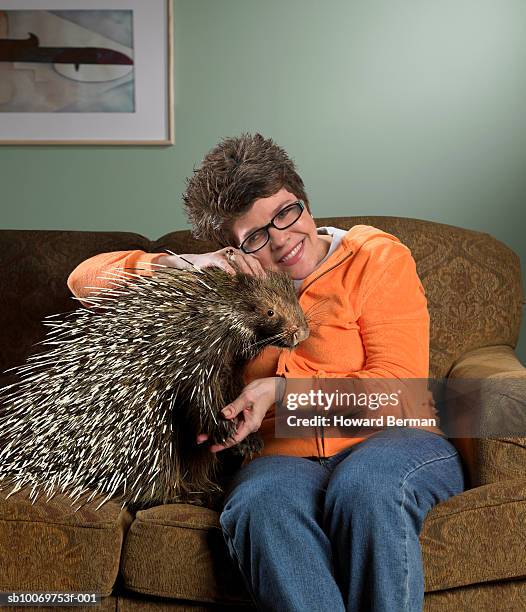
(86, 72)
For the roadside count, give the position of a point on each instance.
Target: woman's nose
(278, 237)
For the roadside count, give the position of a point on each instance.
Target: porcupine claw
(250, 446)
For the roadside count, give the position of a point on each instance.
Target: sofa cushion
(178, 551)
(476, 537)
(509, 596)
(49, 547)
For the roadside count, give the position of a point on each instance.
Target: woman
(315, 523)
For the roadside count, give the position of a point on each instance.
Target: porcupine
(115, 408)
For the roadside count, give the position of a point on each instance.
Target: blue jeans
(340, 533)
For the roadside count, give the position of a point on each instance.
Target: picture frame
(85, 72)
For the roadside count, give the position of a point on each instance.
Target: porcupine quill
(113, 410)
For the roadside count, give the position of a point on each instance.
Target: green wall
(411, 108)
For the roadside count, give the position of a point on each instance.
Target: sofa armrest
(502, 399)
(488, 361)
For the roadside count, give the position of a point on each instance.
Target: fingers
(229, 259)
(224, 265)
(238, 260)
(247, 422)
(245, 425)
(237, 406)
(255, 266)
(201, 438)
(234, 260)
(243, 429)
(248, 411)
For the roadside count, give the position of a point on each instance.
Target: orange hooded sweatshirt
(375, 324)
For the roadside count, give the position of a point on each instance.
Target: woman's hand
(227, 259)
(249, 409)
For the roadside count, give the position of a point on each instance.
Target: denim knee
(412, 477)
(274, 488)
(356, 483)
(247, 497)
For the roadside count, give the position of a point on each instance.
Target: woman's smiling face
(296, 250)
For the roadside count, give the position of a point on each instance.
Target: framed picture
(86, 72)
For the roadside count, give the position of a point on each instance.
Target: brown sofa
(173, 557)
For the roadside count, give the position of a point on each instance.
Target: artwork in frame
(86, 72)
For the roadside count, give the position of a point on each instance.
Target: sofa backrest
(472, 281)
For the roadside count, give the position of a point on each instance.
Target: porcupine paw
(224, 430)
(251, 445)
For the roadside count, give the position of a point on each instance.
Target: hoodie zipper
(325, 272)
(320, 457)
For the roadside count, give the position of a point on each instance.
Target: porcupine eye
(270, 312)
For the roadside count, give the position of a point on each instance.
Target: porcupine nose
(299, 334)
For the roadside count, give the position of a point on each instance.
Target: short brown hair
(232, 176)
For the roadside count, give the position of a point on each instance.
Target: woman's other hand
(228, 259)
(249, 409)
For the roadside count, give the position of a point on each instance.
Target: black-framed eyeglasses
(285, 218)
